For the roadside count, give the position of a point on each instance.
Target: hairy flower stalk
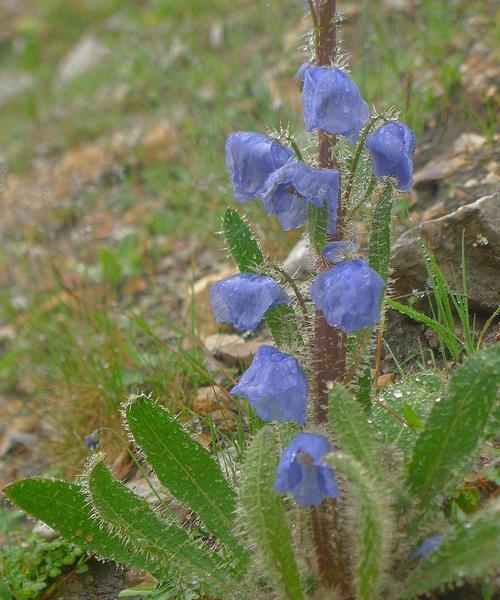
(329, 349)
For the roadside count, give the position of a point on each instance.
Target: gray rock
(480, 223)
(300, 259)
(13, 84)
(45, 531)
(86, 55)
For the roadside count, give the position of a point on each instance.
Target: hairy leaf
(133, 521)
(363, 386)
(373, 525)
(317, 219)
(418, 391)
(282, 324)
(379, 249)
(470, 551)
(456, 426)
(265, 518)
(63, 507)
(351, 429)
(241, 242)
(184, 467)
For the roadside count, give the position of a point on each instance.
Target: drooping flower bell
(275, 386)
(244, 299)
(291, 188)
(349, 295)
(331, 101)
(391, 149)
(302, 473)
(250, 159)
(335, 251)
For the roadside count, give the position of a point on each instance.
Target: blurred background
(113, 117)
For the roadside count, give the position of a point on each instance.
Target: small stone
(242, 352)
(160, 143)
(216, 34)
(45, 531)
(300, 259)
(14, 84)
(215, 342)
(480, 225)
(197, 305)
(385, 380)
(207, 400)
(16, 442)
(432, 338)
(86, 55)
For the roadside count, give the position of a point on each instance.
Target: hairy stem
(329, 353)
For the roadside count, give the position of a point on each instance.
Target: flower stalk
(329, 350)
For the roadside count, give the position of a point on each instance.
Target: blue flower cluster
(348, 293)
(260, 167)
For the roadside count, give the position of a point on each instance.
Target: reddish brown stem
(329, 354)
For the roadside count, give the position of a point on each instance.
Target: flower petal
(349, 294)
(391, 149)
(244, 299)
(332, 102)
(275, 386)
(250, 159)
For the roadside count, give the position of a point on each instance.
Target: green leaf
(363, 386)
(265, 518)
(456, 426)
(282, 324)
(241, 242)
(184, 467)
(470, 551)
(132, 520)
(417, 391)
(317, 220)
(413, 420)
(379, 248)
(5, 592)
(63, 507)
(352, 431)
(373, 525)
